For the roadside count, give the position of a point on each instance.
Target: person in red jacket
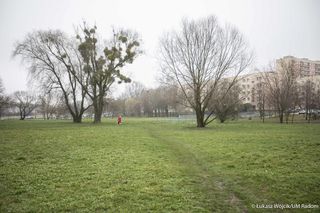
(119, 119)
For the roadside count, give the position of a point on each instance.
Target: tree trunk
(22, 114)
(306, 115)
(167, 111)
(200, 118)
(292, 118)
(281, 117)
(287, 117)
(97, 115)
(98, 108)
(77, 119)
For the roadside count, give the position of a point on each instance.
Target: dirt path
(217, 196)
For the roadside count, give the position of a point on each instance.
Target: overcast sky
(274, 28)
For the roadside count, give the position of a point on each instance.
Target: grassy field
(157, 165)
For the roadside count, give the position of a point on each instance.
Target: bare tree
(281, 87)
(116, 106)
(171, 99)
(49, 102)
(308, 96)
(55, 61)
(134, 90)
(147, 106)
(199, 56)
(225, 104)
(133, 98)
(164, 99)
(26, 102)
(157, 102)
(133, 107)
(1, 87)
(261, 97)
(4, 99)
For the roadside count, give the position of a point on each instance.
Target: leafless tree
(172, 100)
(281, 88)
(4, 99)
(134, 90)
(133, 98)
(165, 100)
(225, 104)
(55, 61)
(158, 102)
(137, 100)
(308, 95)
(133, 106)
(261, 93)
(116, 106)
(147, 106)
(2, 89)
(26, 102)
(199, 56)
(49, 102)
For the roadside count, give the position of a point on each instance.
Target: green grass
(159, 165)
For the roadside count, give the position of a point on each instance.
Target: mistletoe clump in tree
(102, 65)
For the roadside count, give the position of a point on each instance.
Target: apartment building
(302, 66)
(313, 87)
(250, 84)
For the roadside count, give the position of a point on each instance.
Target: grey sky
(274, 28)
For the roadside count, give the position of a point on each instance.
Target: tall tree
(260, 92)
(281, 88)
(26, 102)
(308, 96)
(54, 61)
(199, 56)
(103, 69)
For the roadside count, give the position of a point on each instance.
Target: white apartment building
(303, 66)
(250, 83)
(315, 82)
